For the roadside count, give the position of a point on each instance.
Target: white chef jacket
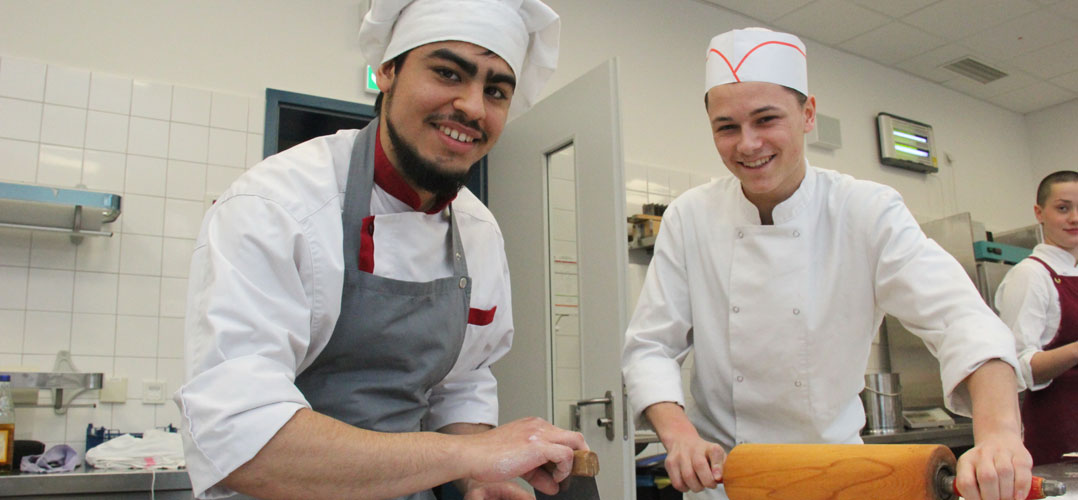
(782, 316)
(1028, 303)
(250, 330)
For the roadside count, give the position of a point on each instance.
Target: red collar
(387, 177)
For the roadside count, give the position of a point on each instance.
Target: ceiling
(1035, 42)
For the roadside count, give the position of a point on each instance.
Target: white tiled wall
(652, 184)
(115, 303)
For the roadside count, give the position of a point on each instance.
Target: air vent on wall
(976, 70)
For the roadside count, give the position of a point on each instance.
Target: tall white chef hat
(756, 55)
(522, 32)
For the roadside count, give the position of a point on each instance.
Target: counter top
(1067, 472)
(90, 480)
(953, 436)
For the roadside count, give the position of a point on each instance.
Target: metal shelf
(41, 208)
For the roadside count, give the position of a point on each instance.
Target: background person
(1038, 299)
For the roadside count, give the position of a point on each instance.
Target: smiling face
(1059, 215)
(443, 109)
(759, 130)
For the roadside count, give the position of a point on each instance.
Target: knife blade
(580, 485)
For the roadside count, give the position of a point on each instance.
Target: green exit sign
(372, 83)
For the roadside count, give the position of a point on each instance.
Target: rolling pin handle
(1041, 487)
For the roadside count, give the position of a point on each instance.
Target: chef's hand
(691, 462)
(520, 449)
(507, 490)
(998, 468)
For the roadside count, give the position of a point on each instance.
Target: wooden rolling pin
(842, 472)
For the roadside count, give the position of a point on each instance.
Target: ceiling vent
(976, 70)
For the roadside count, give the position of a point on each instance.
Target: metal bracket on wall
(64, 376)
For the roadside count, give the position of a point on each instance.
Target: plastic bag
(154, 450)
(59, 458)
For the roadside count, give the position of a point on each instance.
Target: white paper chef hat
(756, 55)
(522, 32)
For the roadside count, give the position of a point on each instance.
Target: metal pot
(883, 403)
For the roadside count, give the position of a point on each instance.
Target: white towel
(156, 449)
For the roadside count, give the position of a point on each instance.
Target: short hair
(397, 63)
(1045, 188)
(801, 98)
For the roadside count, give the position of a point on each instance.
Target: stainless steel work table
(92, 483)
(1067, 472)
(959, 435)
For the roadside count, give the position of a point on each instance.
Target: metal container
(883, 403)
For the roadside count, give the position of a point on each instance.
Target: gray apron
(394, 339)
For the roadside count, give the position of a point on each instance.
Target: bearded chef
(1038, 299)
(778, 278)
(347, 296)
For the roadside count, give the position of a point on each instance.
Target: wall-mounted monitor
(905, 143)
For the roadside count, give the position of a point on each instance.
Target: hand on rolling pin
(520, 449)
(997, 468)
(691, 462)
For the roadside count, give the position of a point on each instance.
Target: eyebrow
(471, 68)
(764, 109)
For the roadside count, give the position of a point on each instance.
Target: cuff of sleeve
(956, 393)
(653, 381)
(225, 423)
(1025, 360)
(471, 398)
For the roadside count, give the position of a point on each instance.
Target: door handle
(606, 421)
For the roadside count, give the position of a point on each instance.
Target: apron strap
(357, 193)
(1055, 277)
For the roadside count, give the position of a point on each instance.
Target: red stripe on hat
(366, 245)
(733, 70)
(728, 65)
(479, 317)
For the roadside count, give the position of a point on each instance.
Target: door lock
(606, 421)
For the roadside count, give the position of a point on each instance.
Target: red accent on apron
(480, 317)
(1048, 415)
(366, 245)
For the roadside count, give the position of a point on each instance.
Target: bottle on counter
(7, 425)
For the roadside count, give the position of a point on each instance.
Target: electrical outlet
(153, 392)
(114, 390)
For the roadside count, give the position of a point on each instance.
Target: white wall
(244, 46)
(1052, 144)
(240, 47)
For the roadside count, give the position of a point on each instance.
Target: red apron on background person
(1050, 415)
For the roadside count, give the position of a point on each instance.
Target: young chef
(1038, 299)
(347, 296)
(779, 277)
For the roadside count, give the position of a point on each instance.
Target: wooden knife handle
(585, 463)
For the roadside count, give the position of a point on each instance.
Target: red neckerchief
(387, 177)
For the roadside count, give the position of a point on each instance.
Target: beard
(425, 173)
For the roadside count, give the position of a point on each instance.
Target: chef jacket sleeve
(469, 393)
(1023, 299)
(659, 334)
(248, 326)
(924, 287)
